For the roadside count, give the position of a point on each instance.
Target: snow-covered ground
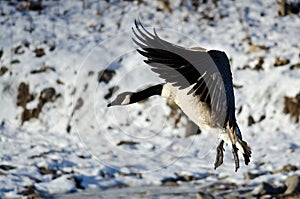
(75, 143)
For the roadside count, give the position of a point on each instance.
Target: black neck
(148, 92)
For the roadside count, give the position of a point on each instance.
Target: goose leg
(219, 157)
(236, 157)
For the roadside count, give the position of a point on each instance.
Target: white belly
(196, 111)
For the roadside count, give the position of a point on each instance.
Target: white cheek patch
(126, 100)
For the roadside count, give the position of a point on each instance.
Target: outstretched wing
(194, 68)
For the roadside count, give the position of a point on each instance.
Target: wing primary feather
(215, 96)
(139, 44)
(207, 95)
(139, 37)
(196, 87)
(140, 23)
(199, 86)
(157, 37)
(145, 34)
(203, 86)
(165, 59)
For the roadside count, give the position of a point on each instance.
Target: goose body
(199, 81)
(195, 110)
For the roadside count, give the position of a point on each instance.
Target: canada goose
(200, 83)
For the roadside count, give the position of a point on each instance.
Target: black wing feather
(200, 70)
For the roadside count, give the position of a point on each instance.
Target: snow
(58, 185)
(96, 36)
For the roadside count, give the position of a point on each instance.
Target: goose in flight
(200, 83)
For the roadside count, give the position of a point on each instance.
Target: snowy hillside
(62, 62)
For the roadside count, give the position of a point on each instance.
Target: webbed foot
(219, 157)
(236, 157)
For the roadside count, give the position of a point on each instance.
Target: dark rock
(293, 184)
(15, 61)
(281, 62)
(44, 154)
(18, 50)
(250, 176)
(2, 174)
(202, 195)
(26, 43)
(289, 168)
(222, 177)
(282, 7)
(259, 65)
(30, 192)
(85, 87)
(79, 103)
(85, 156)
(288, 7)
(258, 164)
(245, 67)
(292, 196)
(185, 177)
(68, 129)
(58, 81)
(77, 181)
(262, 118)
(39, 52)
(292, 106)
(23, 96)
(222, 187)
(250, 120)
(6, 167)
(109, 173)
(256, 48)
(295, 7)
(35, 5)
(295, 66)
(1, 53)
(3, 70)
(268, 189)
(239, 110)
(43, 69)
(233, 196)
(46, 171)
(127, 143)
(138, 175)
(169, 182)
(31, 5)
(52, 46)
(111, 91)
(106, 75)
(165, 6)
(90, 73)
(48, 95)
